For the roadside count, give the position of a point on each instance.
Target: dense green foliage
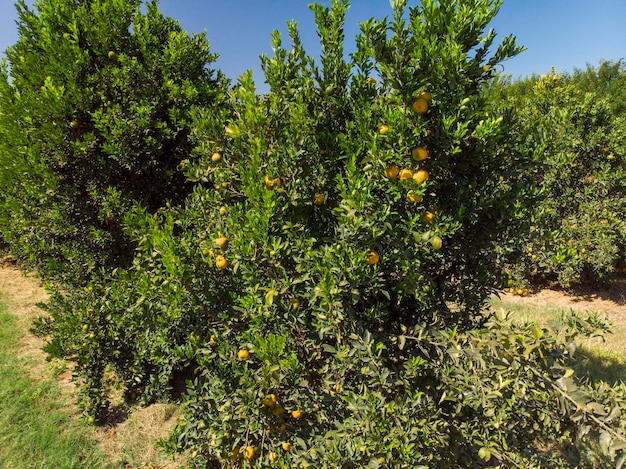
(573, 129)
(95, 100)
(311, 265)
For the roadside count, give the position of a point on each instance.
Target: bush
(572, 127)
(323, 308)
(96, 101)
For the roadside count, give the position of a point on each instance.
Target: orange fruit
(610, 157)
(436, 243)
(286, 446)
(222, 210)
(392, 172)
(273, 456)
(278, 410)
(420, 176)
(221, 262)
(427, 218)
(372, 258)
(248, 453)
(419, 153)
(318, 199)
(222, 242)
(295, 304)
(272, 183)
(383, 129)
(111, 54)
(420, 106)
(243, 354)
(296, 414)
(371, 80)
(405, 174)
(413, 197)
(216, 157)
(425, 95)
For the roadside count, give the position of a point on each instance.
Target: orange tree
(318, 296)
(572, 128)
(95, 99)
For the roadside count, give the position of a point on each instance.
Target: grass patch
(36, 429)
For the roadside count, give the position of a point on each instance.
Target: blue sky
(566, 34)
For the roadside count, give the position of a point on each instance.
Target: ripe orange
(405, 174)
(383, 129)
(216, 157)
(372, 258)
(222, 242)
(248, 453)
(277, 183)
(425, 95)
(371, 80)
(419, 153)
(296, 414)
(269, 183)
(420, 106)
(420, 176)
(287, 446)
(273, 456)
(392, 172)
(221, 262)
(318, 199)
(413, 197)
(427, 218)
(243, 354)
(610, 157)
